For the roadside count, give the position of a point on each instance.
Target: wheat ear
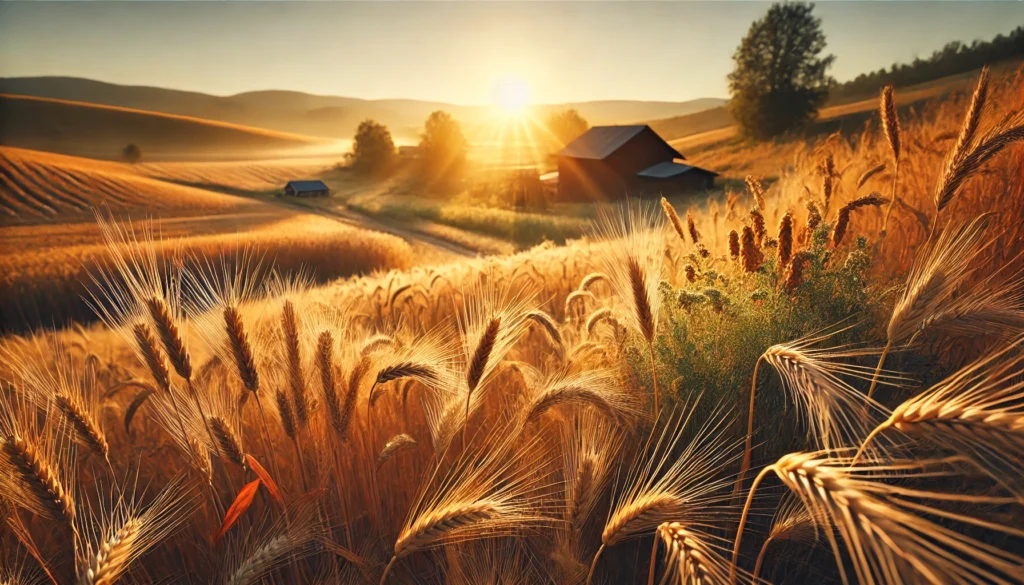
(297, 383)
(328, 382)
(673, 218)
(40, 478)
(592, 279)
(478, 363)
(228, 442)
(394, 444)
(87, 429)
(170, 337)
(547, 323)
(891, 127)
(241, 349)
(843, 219)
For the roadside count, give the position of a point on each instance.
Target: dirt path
(355, 219)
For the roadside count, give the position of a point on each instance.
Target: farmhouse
(613, 162)
(306, 189)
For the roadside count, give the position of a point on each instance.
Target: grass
(544, 388)
(523, 229)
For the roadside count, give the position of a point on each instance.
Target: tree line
(956, 57)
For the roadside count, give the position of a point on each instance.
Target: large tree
(781, 76)
(442, 151)
(373, 150)
(566, 126)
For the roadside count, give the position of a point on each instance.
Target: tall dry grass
(497, 418)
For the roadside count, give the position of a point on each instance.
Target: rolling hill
(39, 185)
(319, 115)
(85, 129)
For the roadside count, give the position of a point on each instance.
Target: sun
(512, 95)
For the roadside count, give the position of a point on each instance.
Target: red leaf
(268, 482)
(238, 507)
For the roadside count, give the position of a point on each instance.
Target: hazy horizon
(455, 52)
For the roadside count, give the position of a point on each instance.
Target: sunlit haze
(455, 52)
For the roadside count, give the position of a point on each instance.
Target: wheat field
(820, 384)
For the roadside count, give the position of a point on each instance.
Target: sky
(456, 52)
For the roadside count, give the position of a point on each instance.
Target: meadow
(815, 379)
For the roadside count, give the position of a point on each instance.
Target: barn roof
(300, 186)
(600, 141)
(669, 169)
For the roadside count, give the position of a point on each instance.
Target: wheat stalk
(673, 218)
(170, 336)
(146, 344)
(592, 279)
(596, 317)
(486, 494)
(933, 279)
(978, 411)
(328, 383)
(891, 128)
(394, 444)
(594, 388)
(734, 245)
(869, 174)
(690, 559)
(87, 429)
(672, 481)
(954, 172)
(229, 443)
(297, 382)
(547, 323)
(41, 479)
(843, 218)
(241, 349)
(877, 520)
(130, 533)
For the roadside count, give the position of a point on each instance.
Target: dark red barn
(612, 162)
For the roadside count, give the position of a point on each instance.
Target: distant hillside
(84, 129)
(317, 115)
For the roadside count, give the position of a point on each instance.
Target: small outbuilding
(608, 163)
(306, 189)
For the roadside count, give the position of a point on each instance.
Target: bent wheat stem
(743, 519)
(878, 370)
(745, 465)
(593, 565)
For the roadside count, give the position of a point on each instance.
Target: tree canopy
(442, 150)
(131, 153)
(955, 57)
(373, 150)
(566, 126)
(781, 77)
